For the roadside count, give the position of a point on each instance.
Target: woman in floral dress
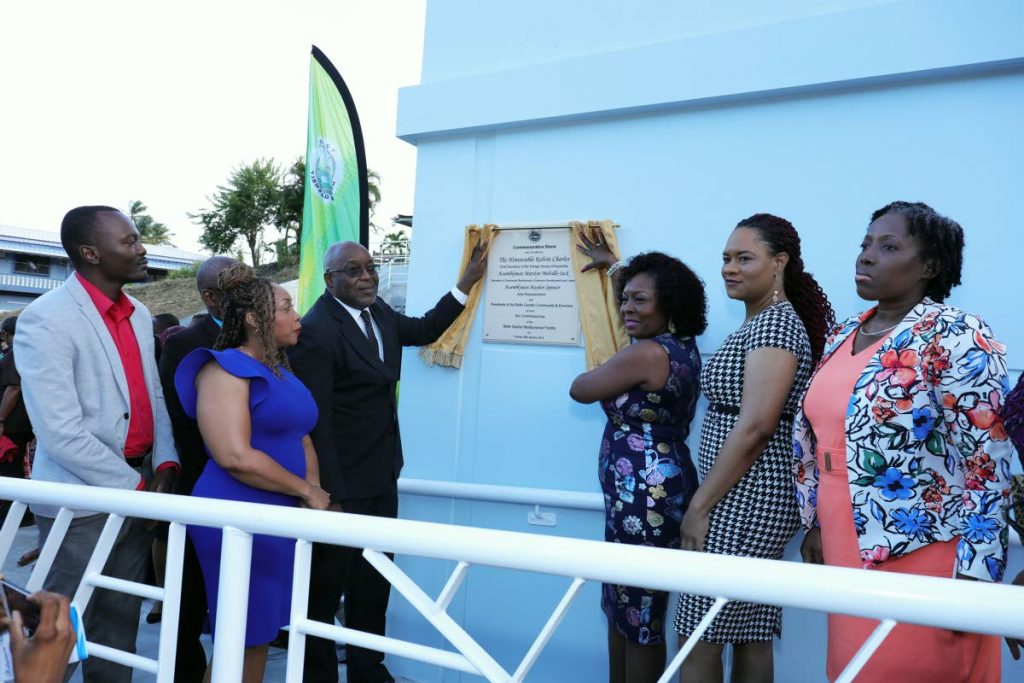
(902, 457)
(649, 392)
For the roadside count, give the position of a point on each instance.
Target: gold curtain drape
(603, 332)
(447, 351)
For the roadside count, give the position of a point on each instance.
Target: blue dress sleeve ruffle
(233, 361)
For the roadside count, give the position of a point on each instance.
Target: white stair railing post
(11, 525)
(171, 607)
(300, 608)
(232, 606)
(98, 560)
(549, 630)
(456, 635)
(452, 587)
(48, 552)
(691, 642)
(866, 650)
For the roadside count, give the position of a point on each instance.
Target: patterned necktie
(368, 328)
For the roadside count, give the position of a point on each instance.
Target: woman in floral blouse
(902, 461)
(649, 392)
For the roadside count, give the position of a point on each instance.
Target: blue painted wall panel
(677, 178)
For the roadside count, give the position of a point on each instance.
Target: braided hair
(802, 289)
(679, 290)
(244, 293)
(940, 239)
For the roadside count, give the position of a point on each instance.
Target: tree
(373, 193)
(395, 244)
(243, 209)
(289, 218)
(151, 231)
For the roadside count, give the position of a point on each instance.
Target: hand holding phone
(15, 598)
(43, 656)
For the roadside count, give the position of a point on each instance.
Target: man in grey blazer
(92, 390)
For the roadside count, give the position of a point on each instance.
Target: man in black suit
(190, 662)
(349, 355)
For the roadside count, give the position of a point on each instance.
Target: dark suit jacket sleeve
(426, 330)
(187, 440)
(314, 366)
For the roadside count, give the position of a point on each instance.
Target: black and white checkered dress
(759, 516)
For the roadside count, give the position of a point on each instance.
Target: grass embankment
(178, 295)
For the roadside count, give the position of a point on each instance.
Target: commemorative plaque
(530, 292)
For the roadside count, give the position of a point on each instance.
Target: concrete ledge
(894, 43)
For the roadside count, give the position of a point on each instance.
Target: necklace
(875, 334)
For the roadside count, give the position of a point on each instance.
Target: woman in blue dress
(649, 392)
(255, 418)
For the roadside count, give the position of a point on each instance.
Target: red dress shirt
(117, 317)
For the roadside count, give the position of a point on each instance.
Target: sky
(108, 101)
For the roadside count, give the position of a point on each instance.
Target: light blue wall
(677, 120)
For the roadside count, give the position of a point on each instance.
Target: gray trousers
(111, 618)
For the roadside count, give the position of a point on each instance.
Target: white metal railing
(493, 493)
(891, 598)
(37, 282)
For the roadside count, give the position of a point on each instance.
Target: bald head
(340, 252)
(210, 269)
(350, 274)
(206, 282)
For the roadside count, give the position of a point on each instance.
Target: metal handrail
(494, 493)
(878, 595)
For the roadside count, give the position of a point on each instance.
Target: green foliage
(289, 217)
(260, 195)
(242, 210)
(373, 194)
(150, 230)
(395, 244)
(187, 273)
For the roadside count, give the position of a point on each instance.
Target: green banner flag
(335, 207)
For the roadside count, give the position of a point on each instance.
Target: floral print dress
(648, 478)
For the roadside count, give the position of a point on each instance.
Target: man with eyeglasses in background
(190, 658)
(349, 355)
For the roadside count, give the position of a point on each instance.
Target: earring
(671, 328)
(775, 294)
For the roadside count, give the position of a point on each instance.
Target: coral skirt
(910, 653)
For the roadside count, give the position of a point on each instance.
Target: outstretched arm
(426, 330)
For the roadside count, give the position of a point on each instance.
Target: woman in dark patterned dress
(746, 505)
(649, 392)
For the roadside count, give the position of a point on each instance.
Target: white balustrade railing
(36, 282)
(891, 598)
(493, 493)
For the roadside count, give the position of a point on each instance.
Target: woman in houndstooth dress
(746, 505)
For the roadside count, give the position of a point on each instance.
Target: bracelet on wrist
(614, 268)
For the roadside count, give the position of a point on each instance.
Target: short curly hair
(941, 240)
(680, 291)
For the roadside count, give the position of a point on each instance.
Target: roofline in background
(166, 254)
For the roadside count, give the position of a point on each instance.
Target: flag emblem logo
(327, 170)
